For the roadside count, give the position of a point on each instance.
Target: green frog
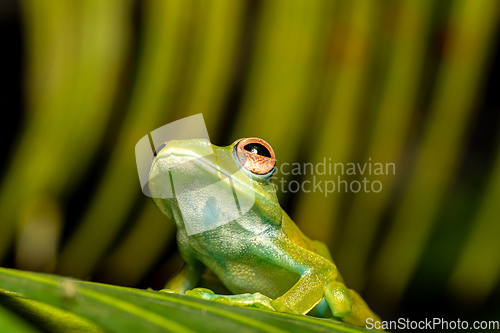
(229, 221)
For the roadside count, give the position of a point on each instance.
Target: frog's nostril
(159, 148)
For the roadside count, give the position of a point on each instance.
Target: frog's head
(203, 186)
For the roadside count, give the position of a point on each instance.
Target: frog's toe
(169, 291)
(203, 293)
(223, 300)
(259, 301)
(261, 305)
(280, 306)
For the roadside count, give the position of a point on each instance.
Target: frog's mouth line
(221, 172)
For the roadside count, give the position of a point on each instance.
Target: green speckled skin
(262, 256)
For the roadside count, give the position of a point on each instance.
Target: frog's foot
(347, 305)
(280, 306)
(256, 300)
(169, 291)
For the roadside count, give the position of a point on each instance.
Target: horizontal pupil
(257, 148)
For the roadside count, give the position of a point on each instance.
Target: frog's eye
(256, 155)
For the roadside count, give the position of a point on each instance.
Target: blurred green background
(413, 83)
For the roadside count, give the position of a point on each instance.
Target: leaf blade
(121, 309)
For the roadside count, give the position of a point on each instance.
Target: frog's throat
(209, 164)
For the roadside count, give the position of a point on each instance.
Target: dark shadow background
(98, 80)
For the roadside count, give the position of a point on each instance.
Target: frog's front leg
(187, 278)
(318, 279)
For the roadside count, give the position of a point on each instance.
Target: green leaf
(9, 322)
(120, 309)
(46, 317)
